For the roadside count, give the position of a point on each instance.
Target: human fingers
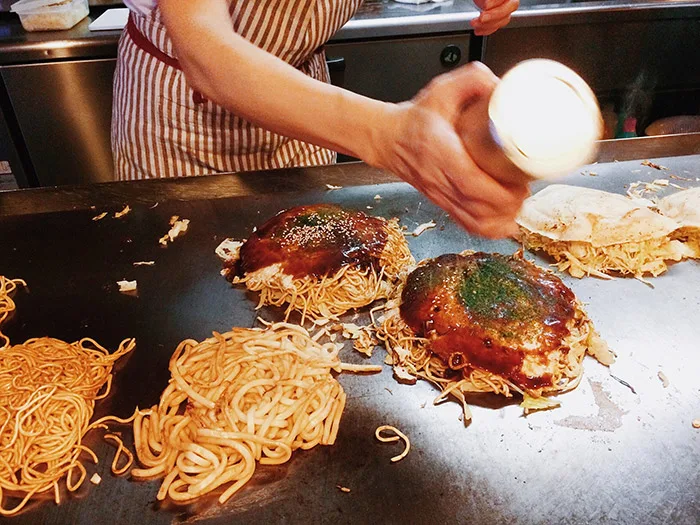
(490, 227)
(490, 28)
(483, 210)
(520, 191)
(499, 12)
(468, 180)
(476, 217)
(450, 92)
(494, 17)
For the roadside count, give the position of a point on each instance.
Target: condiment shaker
(542, 121)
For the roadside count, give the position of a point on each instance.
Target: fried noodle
(48, 390)
(236, 399)
(390, 439)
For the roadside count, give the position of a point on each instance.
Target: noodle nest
(236, 399)
(48, 390)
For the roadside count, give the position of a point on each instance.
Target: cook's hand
(494, 15)
(422, 147)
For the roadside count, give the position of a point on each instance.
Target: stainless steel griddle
(608, 455)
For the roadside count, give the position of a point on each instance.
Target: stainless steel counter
(83, 197)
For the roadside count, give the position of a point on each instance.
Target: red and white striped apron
(162, 128)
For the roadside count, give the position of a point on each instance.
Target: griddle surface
(607, 455)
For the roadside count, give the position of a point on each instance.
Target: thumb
(450, 92)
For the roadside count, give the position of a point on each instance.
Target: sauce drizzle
(315, 240)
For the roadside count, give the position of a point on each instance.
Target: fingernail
(485, 18)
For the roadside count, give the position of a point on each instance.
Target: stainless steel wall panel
(64, 111)
(395, 70)
(610, 56)
(8, 153)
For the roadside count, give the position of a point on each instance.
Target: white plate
(110, 19)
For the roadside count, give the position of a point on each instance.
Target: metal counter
(608, 455)
(71, 198)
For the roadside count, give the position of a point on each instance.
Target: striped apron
(163, 128)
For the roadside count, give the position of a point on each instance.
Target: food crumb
(696, 423)
(678, 177)
(229, 250)
(128, 287)
(332, 187)
(343, 489)
(177, 227)
(377, 197)
(100, 216)
(650, 164)
(664, 379)
(144, 263)
(120, 214)
(95, 479)
(423, 227)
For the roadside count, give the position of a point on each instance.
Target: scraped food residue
(608, 418)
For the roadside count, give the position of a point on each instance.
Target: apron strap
(145, 45)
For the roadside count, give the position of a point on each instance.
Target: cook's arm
(415, 140)
(263, 89)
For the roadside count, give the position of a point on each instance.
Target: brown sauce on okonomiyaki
(315, 240)
(488, 311)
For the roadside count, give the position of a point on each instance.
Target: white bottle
(542, 121)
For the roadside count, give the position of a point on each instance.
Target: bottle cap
(545, 118)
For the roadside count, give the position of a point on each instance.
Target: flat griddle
(609, 454)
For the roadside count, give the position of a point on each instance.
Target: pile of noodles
(331, 295)
(411, 358)
(236, 399)
(48, 390)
